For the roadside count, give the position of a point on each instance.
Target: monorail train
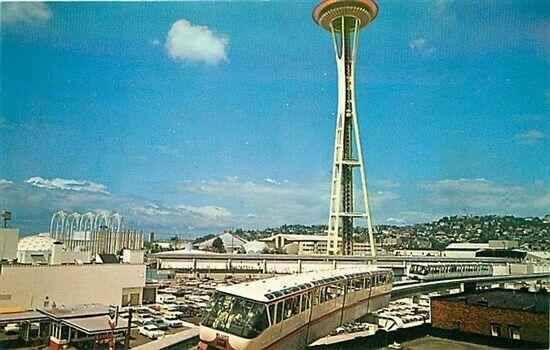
(438, 271)
(289, 312)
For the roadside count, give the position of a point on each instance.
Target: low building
(309, 244)
(83, 326)
(254, 247)
(9, 237)
(511, 315)
(31, 286)
(464, 250)
(42, 249)
(231, 242)
(503, 244)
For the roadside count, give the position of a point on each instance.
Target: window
(279, 312)
(456, 325)
(513, 332)
(315, 294)
(292, 307)
(306, 301)
(272, 313)
(496, 330)
(237, 316)
(368, 282)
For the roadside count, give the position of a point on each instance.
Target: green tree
(218, 245)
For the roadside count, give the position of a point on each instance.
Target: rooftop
(72, 311)
(274, 288)
(504, 299)
(467, 246)
(95, 324)
(297, 237)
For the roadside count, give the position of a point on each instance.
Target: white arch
(116, 222)
(71, 224)
(86, 222)
(100, 218)
(57, 224)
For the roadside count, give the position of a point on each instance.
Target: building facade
(509, 315)
(309, 244)
(31, 286)
(8, 243)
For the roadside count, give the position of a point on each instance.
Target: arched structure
(98, 233)
(57, 225)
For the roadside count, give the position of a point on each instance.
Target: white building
(30, 286)
(42, 249)
(309, 244)
(464, 250)
(231, 242)
(8, 243)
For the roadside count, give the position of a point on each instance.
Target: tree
(218, 245)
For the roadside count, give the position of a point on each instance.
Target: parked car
(141, 318)
(172, 321)
(160, 324)
(151, 331)
(12, 328)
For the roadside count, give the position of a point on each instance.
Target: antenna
(6, 215)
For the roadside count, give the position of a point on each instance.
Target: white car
(172, 321)
(151, 331)
(12, 328)
(142, 319)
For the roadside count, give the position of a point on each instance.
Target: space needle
(344, 19)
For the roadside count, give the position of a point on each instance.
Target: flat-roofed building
(309, 244)
(31, 286)
(509, 315)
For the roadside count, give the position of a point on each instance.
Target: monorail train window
(367, 282)
(357, 284)
(306, 301)
(315, 296)
(237, 316)
(292, 307)
(279, 311)
(272, 313)
(323, 294)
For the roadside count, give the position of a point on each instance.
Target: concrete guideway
(403, 291)
(169, 256)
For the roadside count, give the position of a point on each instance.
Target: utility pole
(128, 329)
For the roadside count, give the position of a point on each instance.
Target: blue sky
(196, 116)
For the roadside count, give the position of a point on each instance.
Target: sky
(195, 117)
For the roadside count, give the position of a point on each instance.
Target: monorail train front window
(236, 315)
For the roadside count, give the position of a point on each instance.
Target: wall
(9, 237)
(477, 319)
(27, 286)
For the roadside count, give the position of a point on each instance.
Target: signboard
(113, 316)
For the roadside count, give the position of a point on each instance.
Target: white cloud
(530, 118)
(271, 181)
(443, 10)
(155, 42)
(209, 211)
(422, 47)
(486, 196)
(63, 184)
(396, 221)
(5, 182)
(192, 43)
(529, 138)
(14, 13)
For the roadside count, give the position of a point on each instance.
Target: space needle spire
(344, 19)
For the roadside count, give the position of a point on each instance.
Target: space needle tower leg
(344, 19)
